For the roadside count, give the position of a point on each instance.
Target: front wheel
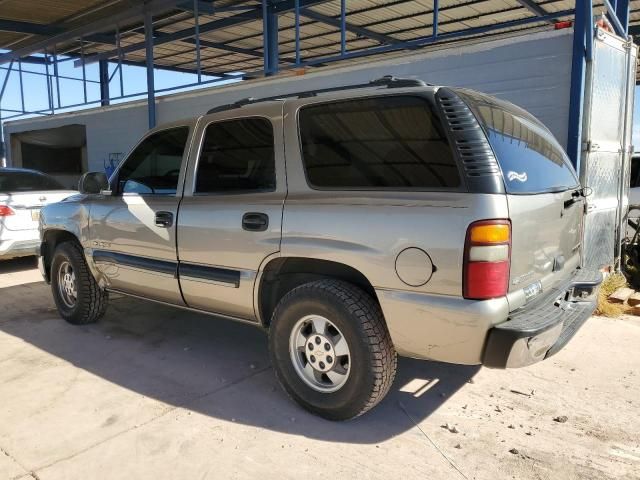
(77, 295)
(331, 349)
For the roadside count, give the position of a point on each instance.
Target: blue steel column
(20, 81)
(4, 86)
(343, 26)
(151, 97)
(622, 12)
(270, 38)
(578, 67)
(297, 17)
(436, 11)
(103, 66)
(196, 20)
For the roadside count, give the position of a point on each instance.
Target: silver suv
(354, 224)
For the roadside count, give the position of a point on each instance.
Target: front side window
(389, 142)
(153, 167)
(531, 159)
(237, 155)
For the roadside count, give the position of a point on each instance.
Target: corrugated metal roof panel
(399, 20)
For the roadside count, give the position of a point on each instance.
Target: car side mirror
(93, 182)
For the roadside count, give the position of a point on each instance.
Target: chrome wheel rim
(320, 353)
(67, 284)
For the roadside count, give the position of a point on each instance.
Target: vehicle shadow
(18, 264)
(213, 366)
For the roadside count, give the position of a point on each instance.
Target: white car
(22, 194)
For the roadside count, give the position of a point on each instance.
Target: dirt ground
(154, 392)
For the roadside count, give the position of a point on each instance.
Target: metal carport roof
(225, 39)
(231, 32)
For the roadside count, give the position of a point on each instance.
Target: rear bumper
(543, 327)
(23, 244)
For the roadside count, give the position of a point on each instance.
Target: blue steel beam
(296, 11)
(103, 67)
(42, 74)
(196, 6)
(218, 46)
(343, 26)
(126, 15)
(361, 31)
(29, 28)
(622, 11)
(422, 41)
(613, 17)
(234, 20)
(196, 20)
(434, 22)
(151, 98)
(315, 60)
(371, 9)
(21, 85)
(122, 97)
(6, 80)
(534, 8)
(270, 38)
(582, 18)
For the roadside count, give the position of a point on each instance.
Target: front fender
(61, 221)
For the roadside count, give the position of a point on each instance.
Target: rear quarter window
(388, 142)
(531, 159)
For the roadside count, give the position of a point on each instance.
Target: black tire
(91, 301)
(373, 360)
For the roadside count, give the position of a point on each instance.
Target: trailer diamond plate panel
(604, 167)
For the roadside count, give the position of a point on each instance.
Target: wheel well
(53, 238)
(284, 274)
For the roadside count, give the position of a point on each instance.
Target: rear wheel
(77, 295)
(331, 349)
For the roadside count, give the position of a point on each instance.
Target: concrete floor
(153, 392)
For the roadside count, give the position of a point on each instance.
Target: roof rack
(388, 81)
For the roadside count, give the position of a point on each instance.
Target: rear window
(531, 159)
(390, 142)
(27, 182)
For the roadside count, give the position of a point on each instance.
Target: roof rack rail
(388, 81)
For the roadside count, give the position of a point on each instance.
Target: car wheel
(77, 295)
(331, 349)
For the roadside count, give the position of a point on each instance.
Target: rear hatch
(25, 193)
(26, 207)
(543, 193)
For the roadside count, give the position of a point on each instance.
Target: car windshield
(15, 181)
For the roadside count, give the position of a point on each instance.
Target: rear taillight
(487, 258)
(6, 211)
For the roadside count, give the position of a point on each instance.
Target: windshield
(27, 182)
(531, 159)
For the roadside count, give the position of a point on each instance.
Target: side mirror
(93, 182)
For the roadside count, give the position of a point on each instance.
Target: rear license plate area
(35, 215)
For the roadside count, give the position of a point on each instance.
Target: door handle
(164, 219)
(255, 222)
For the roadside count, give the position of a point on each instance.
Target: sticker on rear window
(521, 177)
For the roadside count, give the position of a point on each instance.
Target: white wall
(531, 70)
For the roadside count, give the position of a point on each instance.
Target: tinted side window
(531, 159)
(392, 142)
(154, 166)
(237, 155)
(27, 182)
(635, 172)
